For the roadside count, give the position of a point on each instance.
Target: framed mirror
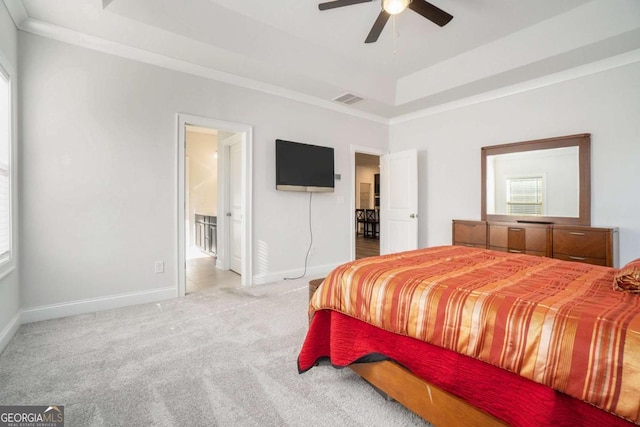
(545, 181)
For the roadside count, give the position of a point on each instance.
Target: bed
(474, 336)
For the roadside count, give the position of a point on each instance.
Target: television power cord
(306, 258)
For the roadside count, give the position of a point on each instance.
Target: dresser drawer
(531, 239)
(498, 236)
(587, 260)
(580, 243)
(586, 244)
(538, 241)
(470, 233)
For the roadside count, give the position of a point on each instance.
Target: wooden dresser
(591, 245)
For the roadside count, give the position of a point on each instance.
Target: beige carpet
(221, 357)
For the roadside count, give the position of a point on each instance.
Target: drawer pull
(514, 251)
(578, 258)
(575, 233)
(515, 229)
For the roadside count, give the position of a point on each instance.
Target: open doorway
(367, 204)
(214, 232)
(202, 187)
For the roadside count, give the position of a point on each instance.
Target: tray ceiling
(290, 48)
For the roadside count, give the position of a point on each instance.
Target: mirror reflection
(534, 183)
(544, 180)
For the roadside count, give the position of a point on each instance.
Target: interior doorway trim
(247, 166)
(362, 150)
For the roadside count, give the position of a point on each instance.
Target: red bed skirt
(503, 394)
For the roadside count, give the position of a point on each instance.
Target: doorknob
(228, 213)
(413, 216)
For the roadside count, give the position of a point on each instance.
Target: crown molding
(25, 23)
(548, 80)
(77, 38)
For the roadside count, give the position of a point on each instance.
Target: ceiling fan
(393, 7)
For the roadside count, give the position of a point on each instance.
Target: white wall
(203, 176)
(100, 173)
(606, 104)
(9, 285)
(203, 173)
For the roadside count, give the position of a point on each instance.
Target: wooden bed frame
(428, 401)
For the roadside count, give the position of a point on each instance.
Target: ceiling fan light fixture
(393, 7)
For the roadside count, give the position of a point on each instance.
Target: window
(524, 196)
(5, 168)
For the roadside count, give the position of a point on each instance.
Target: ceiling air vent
(348, 98)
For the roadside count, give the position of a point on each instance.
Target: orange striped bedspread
(555, 322)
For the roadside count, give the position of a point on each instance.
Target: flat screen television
(304, 167)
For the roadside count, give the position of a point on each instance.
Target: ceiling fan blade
(340, 3)
(432, 13)
(377, 28)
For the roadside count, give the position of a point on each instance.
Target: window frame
(540, 194)
(8, 260)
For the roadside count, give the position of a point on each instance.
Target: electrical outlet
(159, 267)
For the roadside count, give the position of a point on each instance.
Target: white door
(235, 207)
(399, 202)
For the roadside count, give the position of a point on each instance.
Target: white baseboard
(312, 272)
(72, 308)
(9, 331)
